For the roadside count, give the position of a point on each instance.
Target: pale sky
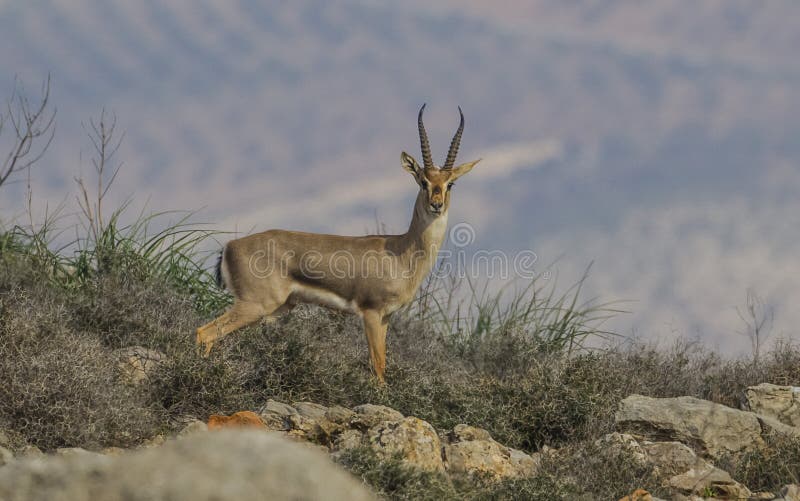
(655, 139)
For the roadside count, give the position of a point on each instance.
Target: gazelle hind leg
(242, 313)
(375, 326)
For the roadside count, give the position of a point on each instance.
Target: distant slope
(294, 114)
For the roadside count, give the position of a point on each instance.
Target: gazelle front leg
(375, 325)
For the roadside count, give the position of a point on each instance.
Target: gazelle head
(435, 183)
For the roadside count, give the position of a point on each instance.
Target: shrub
(61, 386)
(580, 472)
(392, 479)
(770, 467)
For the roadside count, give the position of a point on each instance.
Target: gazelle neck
(426, 231)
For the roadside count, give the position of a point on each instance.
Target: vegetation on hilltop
(513, 366)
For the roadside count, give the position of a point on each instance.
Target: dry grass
(62, 388)
(770, 468)
(577, 473)
(512, 365)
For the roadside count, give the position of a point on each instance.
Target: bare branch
(101, 134)
(34, 129)
(758, 319)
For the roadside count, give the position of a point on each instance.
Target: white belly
(314, 295)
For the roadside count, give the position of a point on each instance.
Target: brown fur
(381, 272)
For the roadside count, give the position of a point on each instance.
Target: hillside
(658, 138)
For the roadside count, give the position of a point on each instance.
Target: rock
(706, 478)
(488, 460)
(137, 364)
(778, 402)
(6, 456)
(156, 441)
(348, 439)
(312, 420)
(279, 408)
(74, 451)
(369, 415)
(192, 427)
(310, 410)
(305, 428)
(614, 444)
(414, 439)
(670, 457)
(339, 415)
(275, 415)
(241, 419)
(713, 429)
(463, 432)
(228, 465)
(524, 464)
(772, 425)
(30, 451)
(5, 441)
(766, 496)
(789, 493)
(473, 452)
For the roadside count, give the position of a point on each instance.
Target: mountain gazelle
(371, 276)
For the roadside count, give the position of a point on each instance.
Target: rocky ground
(279, 452)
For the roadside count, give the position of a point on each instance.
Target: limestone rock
(614, 444)
(153, 442)
(6, 456)
(488, 460)
(778, 402)
(278, 408)
(369, 415)
(306, 428)
(320, 431)
(74, 451)
(670, 457)
(137, 364)
(708, 478)
(766, 496)
(312, 421)
(463, 432)
(772, 425)
(227, 465)
(414, 439)
(30, 451)
(348, 439)
(525, 465)
(472, 452)
(192, 427)
(713, 429)
(310, 410)
(789, 493)
(339, 415)
(275, 415)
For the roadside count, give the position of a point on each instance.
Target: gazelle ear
(410, 164)
(462, 169)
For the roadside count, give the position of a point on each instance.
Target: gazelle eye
(424, 185)
(450, 185)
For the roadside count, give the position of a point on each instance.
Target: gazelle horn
(451, 154)
(427, 159)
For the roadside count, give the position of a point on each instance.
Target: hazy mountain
(657, 138)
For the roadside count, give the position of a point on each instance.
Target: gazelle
(371, 276)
